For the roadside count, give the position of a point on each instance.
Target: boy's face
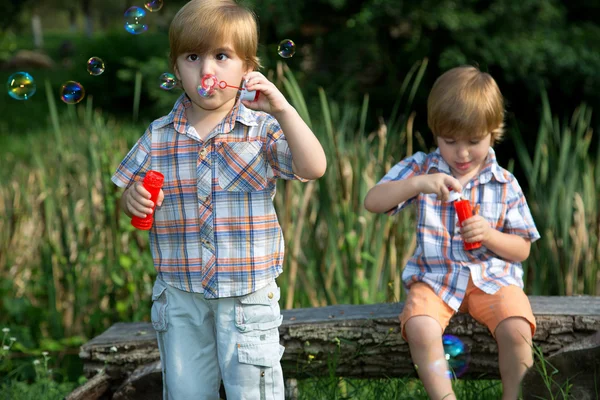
(224, 63)
(464, 156)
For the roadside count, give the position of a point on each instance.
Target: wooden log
(574, 369)
(93, 389)
(145, 382)
(359, 341)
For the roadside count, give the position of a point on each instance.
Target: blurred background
(71, 264)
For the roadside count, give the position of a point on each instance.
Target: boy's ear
(176, 72)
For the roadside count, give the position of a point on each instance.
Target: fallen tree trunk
(359, 341)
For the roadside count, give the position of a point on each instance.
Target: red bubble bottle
(153, 182)
(464, 211)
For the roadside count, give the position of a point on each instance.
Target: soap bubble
(286, 48)
(72, 92)
(153, 5)
(20, 86)
(457, 355)
(455, 361)
(167, 81)
(134, 20)
(204, 92)
(95, 66)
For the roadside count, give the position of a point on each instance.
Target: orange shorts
(488, 309)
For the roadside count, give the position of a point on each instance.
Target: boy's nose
(207, 68)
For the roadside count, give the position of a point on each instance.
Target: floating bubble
(20, 86)
(153, 5)
(95, 66)
(286, 48)
(457, 355)
(72, 92)
(167, 81)
(134, 20)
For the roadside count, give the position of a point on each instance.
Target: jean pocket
(259, 310)
(158, 313)
(261, 354)
(242, 166)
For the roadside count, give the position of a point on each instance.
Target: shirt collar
(490, 168)
(239, 113)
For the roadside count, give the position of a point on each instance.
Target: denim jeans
(202, 341)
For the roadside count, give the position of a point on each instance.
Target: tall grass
(69, 262)
(337, 251)
(564, 187)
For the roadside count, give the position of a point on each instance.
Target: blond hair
(466, 103)
(201, 26)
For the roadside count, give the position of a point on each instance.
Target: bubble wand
(210, 83)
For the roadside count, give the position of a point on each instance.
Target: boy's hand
(438, 184)
(137, 200)
(270, 100)
(475, 229)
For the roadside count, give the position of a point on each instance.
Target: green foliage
(563, 179)
(43, 387)
(113, 91)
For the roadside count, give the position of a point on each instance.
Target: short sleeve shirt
(216, 231)
(439, 258)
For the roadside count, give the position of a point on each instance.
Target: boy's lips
(463, 166)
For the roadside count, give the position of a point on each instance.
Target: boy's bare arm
(385, 196)
(309, 160)
(508, 246)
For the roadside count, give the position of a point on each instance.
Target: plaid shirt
(439, 259)
(216, 232)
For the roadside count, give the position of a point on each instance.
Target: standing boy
(465, 113)
(216, 242)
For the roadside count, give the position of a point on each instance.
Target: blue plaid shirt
(440, 259)
(216, 232)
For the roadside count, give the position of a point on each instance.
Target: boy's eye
(475, 141)
(192, 57)
(221, 56)
(449, 141)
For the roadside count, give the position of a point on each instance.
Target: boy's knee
(422, 330)
(514, 330)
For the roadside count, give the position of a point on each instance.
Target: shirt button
(203, 153)
(270, 295)
(262, 373)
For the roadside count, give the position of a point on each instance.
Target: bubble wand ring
(210, 83)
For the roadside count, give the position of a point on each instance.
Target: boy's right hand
(137, 200)
(438, 184)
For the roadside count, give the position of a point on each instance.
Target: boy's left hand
(475, 229)
(270, 100)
